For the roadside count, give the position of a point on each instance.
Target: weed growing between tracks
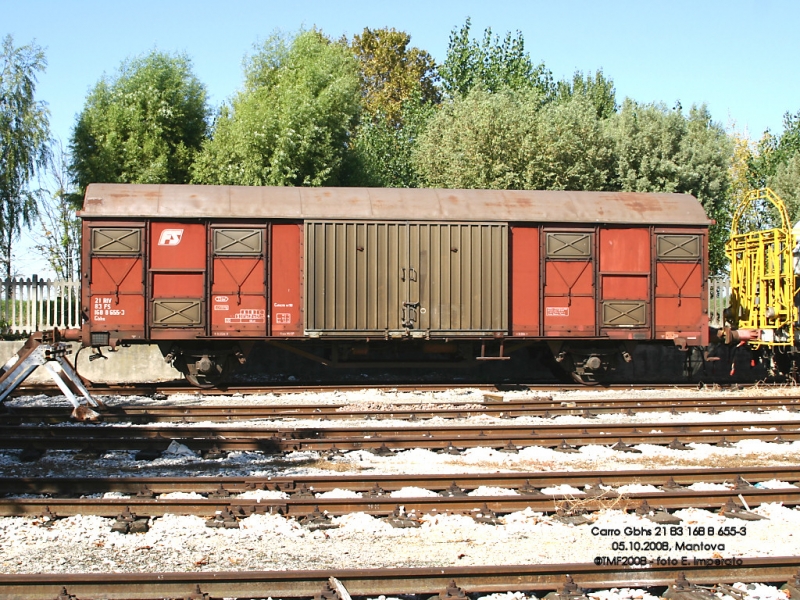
(323, 464)
(572, 506)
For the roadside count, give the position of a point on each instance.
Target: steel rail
(401, 581)
(180, 387)
(364, 482)
(544, 407)
(158, 437)
(317, 429)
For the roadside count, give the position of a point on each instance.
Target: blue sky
(742, 58)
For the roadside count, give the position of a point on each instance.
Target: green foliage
(381, 154)
(58, 239)
(776, 164)
(507, 140)
(789, 144)
(491, 64)
(662, 150)
(483, 140)
(292, 122)
(575, 153)
(786, 183)
(393, 74)
(24, 139)
(597, 89)
(144, 125)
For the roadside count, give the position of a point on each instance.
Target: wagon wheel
(202, 379)
(587, 379)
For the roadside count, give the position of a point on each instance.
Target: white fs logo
(170, 237)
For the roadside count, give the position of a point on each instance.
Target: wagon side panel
(178, 285)
(681, 298)
(569, 282)
(524, 263)
(286, 302)
(115, 280)
(624, 306)
(238, 281)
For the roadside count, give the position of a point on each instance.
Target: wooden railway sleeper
(400, 520)
(128, 522)
(792, 587)
(318, 521)
(731, 510)
(659, 516)
(332, 591)
(224, 519)
(451, 592)
(65, 595)
(485, 515)
(683, 589)
(570, 591)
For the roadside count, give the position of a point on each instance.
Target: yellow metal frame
(762, 274)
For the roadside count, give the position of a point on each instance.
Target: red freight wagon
(205, 271)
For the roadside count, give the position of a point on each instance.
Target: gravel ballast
(270, 542)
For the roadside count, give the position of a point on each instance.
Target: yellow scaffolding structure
(762, 275)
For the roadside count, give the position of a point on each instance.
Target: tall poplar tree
(24, 140)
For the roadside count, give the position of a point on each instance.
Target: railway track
(491, 405)
(737, 478)
(320, 509)
(564, 437)
(731, 503)
(178, 387)
(400, 581)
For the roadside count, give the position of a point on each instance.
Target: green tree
(786, 183)
(24, 140)
(491, 64)
(58, 240)
(661, 150)
(507, 140)
(596, 88)
(576, 153)
(381, 153)
(483, 140)
(143, 125)
(292, 122)
(776, 163)
(392, 73)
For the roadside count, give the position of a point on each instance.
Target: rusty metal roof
(193, 201)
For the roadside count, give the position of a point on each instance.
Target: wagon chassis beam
(336, 363)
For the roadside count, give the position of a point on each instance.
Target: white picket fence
(33, 304)
(719, 297)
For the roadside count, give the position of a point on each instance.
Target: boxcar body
(206, 270)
